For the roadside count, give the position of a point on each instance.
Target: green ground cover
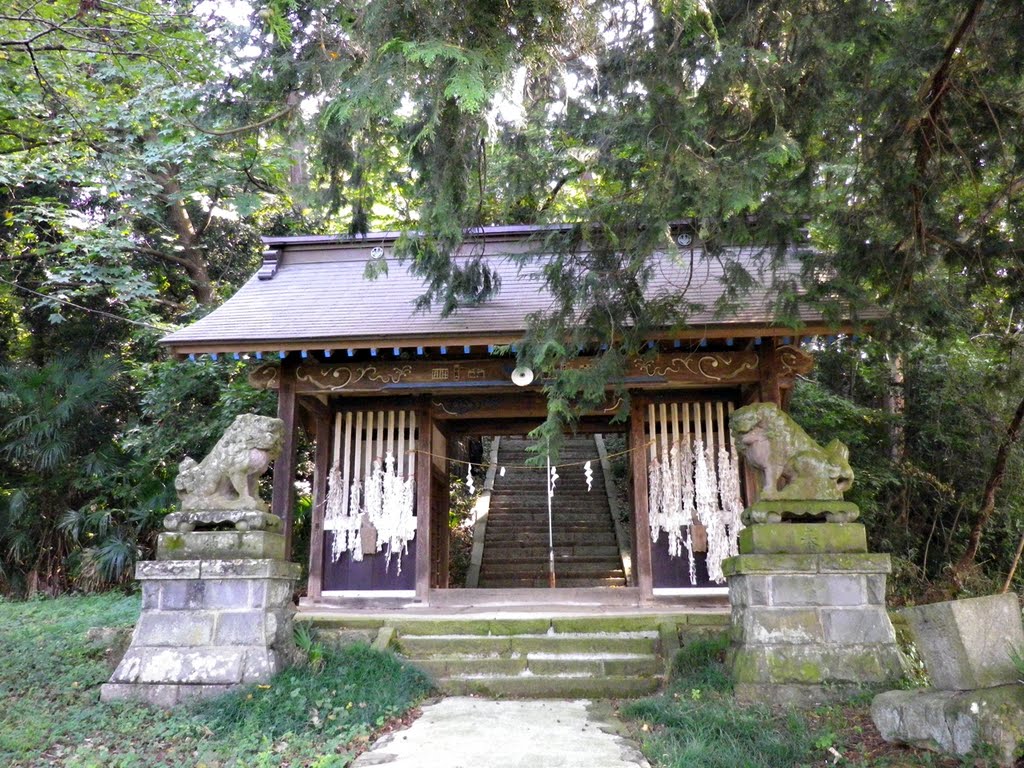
(51, 714)
(696, 722)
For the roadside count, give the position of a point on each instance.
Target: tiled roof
(319, 298)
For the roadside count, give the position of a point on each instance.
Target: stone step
(543, 687)
(558, 625)
(506, 531)
(527, 582)
(517, 538)
(525, 514)
(536, 538)
(508, 646)
(540, 493)
(513, 544)
(539, 539)
(514, 551)
(562, 577)
(539, 567)
(551, 664)
(539, 507)
(539, 523)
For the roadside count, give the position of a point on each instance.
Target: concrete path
(462, 732)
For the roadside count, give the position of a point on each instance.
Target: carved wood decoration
(697, 369)
(793, 361)
(711, 367)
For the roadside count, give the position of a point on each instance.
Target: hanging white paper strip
(689, 482)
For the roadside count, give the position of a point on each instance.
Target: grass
(697, 722)
(306, 716)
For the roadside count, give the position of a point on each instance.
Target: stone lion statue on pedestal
(223, 486)
(798, 476)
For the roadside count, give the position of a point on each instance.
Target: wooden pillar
(424, 445)
(440, 503)
(768, 371)
(283, 503)
(321, 468)
(641, 517)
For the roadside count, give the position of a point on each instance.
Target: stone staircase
(515, 550)
(545, 657)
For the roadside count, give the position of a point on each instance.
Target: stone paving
(463, 732)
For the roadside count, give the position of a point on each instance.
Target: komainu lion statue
(798, 476)
(226, 479)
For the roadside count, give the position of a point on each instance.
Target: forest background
(145, 145)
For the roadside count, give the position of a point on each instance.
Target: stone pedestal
(809, 623)
(216, 614)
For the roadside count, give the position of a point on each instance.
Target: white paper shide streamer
(691, 482)
(382, 499)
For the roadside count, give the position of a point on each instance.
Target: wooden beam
(489, 426)
(283, 502)
(682, 369)
(641, 517)
(313, 405)
(509, 405)
(424, 445)
(321, 468)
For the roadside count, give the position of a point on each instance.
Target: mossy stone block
(802, 538)
(215, 545)
(815, 664)
(718, 619)
(442, 626)
(328, 621)
(743, 564)
(854, 563)
(605, 624)
(518, 626)
(425, 647)
(781, 626)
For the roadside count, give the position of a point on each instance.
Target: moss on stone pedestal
(802, 538)
(207, 545)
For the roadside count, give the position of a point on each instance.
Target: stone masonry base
(809, 629)
(207, 626)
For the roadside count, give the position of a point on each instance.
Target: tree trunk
(190, 257)
(894, 403)
(988, 504)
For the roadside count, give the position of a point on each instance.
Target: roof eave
(710, 331)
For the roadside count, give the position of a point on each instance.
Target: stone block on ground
(958, 723)
(966, 644)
